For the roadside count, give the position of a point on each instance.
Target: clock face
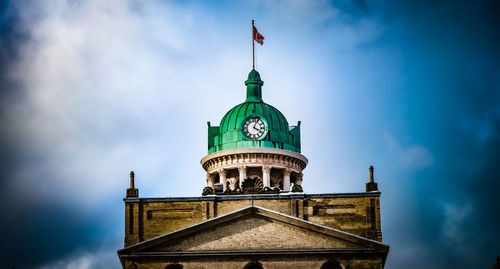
(254, 128)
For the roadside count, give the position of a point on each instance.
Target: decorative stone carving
(242, 168)
(266, 169)
(242, 160)
(281, 158)
(207, 191)
(253, 185)
(232, 183)
(298, 179)
(297, 188)
(210, 180)
(222, 172)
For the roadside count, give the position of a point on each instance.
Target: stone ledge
(266, 252)
(280, 196)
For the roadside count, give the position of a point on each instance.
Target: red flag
(257, 36)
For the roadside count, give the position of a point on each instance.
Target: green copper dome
(253, 124)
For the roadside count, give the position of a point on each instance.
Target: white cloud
(456, 233)
(410, 156)
(455, 217)
(82, 262)
(85, 260)
(108, 87)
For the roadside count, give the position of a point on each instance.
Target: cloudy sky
(93, 89)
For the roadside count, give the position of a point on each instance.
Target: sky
(91, 90)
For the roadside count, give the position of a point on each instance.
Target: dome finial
(254, 87)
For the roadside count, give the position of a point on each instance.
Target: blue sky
(93, 89)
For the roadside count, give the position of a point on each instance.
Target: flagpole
(253, 47)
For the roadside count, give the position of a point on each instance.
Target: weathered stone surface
(254, 234)
(354, 213)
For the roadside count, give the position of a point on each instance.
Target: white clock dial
(254, 128)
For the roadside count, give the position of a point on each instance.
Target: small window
(253, 265)
(331, 265)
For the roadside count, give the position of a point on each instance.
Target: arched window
(331, 265)
(174, 266)
(253, 265)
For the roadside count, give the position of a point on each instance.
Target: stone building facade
(253, 212)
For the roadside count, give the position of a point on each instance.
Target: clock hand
(255, 128)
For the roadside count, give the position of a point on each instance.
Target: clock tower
(253, 150)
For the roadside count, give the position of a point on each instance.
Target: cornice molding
(231, 159)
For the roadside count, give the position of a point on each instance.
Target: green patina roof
(229, 134)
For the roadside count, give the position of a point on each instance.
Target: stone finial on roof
(132, 191)
(132, 177)
(372, 185)
(371, 173)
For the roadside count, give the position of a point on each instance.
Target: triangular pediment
(253, 228)
(254, 232)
